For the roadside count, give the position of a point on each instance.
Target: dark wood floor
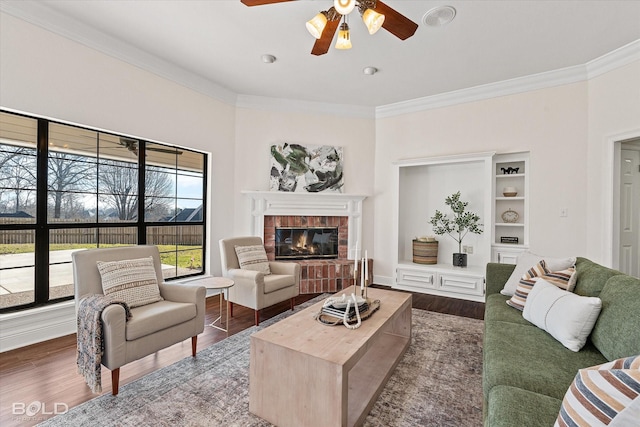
(46, 372)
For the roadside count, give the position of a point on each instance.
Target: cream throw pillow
(133, 281)
(253, 258)
(526, 260)
(567, 317)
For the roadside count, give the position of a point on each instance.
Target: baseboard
(383, 280)
(475, 298)
(28, 327)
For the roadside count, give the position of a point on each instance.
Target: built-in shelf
(510, 198)
(422, 187)
(503, 164)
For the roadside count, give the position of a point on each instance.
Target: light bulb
(373, 20)
(344, 7)
(316, 25)
(344, 38)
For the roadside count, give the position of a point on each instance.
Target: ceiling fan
(132, 145)
(375, 14)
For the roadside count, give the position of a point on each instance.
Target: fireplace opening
(306, 243)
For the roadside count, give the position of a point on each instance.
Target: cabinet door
(417, 278)
(506, 256)
(470, 285)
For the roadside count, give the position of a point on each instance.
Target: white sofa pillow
(133, 281)
(567, 317)
(526, 260)
(253, 257)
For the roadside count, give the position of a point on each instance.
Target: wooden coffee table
(304, 373)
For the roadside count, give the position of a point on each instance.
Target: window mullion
(42, 229)
(142, 165)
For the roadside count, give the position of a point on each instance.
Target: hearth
(306, 243)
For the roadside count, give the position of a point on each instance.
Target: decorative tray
(331, 315)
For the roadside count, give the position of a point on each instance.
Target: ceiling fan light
(344, 7)
(373, 20)
(344, 38)
(316, 25)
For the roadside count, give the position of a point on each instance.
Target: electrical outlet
(469, 249)
(564, 212)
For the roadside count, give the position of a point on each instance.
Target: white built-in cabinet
(421, 187)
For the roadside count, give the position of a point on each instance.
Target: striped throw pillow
(603, 395)
(133, 281)
(527, 281)
(564, 279)
(253, 258)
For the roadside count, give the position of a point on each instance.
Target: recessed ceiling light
(439, 16)
(370, 71)
(268, 59)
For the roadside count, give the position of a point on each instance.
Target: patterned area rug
(437, 383)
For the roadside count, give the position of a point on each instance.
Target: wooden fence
(188, 235)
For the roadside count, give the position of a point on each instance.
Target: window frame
(42, 227)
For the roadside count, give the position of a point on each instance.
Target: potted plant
(458, 226)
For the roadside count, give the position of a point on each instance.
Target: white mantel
(275, 203)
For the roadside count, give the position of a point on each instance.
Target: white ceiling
(221, 41)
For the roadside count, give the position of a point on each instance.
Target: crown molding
(605, 63)
(299, 106)
(492, 90)
(43, 16)
(618, 58)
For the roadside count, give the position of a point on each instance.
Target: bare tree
(120, 181)
(67, 173)
(18, 176)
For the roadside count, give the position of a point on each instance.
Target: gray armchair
(152, 327)
(254, 289)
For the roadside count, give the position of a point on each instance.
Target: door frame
(611, 194)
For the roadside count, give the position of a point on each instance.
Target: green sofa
(526, 372)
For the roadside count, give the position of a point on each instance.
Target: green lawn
(187, 256)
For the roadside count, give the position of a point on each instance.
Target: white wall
(550, 123)
(257, 130)
(614, 113)
(48, 75)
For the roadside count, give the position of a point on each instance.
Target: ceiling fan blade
(395, 22)
(165, 150)
(322, 45)
(261, 2)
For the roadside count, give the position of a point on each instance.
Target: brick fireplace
(318, 275)
(278, 209)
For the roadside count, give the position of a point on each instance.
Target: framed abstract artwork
(312, 168)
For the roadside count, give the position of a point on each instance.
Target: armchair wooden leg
(115, 380)
(257, 316)
(230, 308)
(194, 345)
(293, 302)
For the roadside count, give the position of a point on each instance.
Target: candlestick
(355, 260)
(366, 266)
(362, 276)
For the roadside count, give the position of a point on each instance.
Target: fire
(302, 241)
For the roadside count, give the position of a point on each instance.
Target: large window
(67, 188)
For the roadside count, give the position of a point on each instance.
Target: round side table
(222, 284)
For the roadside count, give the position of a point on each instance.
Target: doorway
(626, 247)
